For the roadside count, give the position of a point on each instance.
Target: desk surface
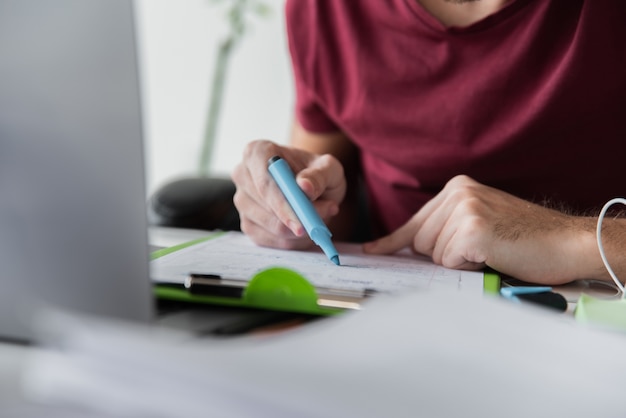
(168, 237)
(13, 357)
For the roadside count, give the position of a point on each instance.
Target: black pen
(203, 284)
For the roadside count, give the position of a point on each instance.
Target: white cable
(599, 239)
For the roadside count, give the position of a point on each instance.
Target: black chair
(195, 203)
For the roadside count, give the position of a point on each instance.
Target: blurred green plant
(238, 16)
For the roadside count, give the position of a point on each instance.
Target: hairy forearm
(572, 246)
(614, 245)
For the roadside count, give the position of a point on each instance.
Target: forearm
(614, 245)
(563, 249)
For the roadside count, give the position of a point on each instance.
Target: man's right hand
(265, 214)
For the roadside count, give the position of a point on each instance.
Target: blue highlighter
(302, 206)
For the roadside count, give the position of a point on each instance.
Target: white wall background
(178, 40)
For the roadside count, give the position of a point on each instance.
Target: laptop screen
(73, 229)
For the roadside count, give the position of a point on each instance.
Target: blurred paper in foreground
(423, 354)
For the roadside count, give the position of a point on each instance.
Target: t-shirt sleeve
(301, 17)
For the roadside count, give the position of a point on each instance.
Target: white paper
(423, 354)
(234, 255)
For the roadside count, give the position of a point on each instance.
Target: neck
(461, 12)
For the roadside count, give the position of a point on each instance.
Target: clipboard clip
(275, 288)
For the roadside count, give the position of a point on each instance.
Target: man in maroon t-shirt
(468, 122)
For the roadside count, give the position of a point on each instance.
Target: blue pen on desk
(302, 206)
(542, 295)
(513, 292)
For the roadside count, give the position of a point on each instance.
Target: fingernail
(307, 186)
(296, 228)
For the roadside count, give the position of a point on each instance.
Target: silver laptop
(73, 230)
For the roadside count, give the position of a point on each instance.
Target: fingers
(256, 211)
(265, 214)
(449, 228)
(459, 245)
(267, 237)
(420, 233)
(264, 189)
(323, 178)
(397, 240)
(263, 210)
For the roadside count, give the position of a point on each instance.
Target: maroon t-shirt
(530, 100)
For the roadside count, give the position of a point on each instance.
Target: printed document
(233, 255)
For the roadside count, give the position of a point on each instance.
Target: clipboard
(274, 288)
